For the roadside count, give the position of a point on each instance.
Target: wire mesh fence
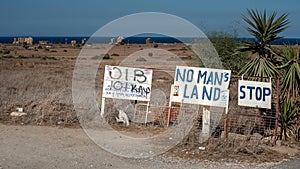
(240, 121)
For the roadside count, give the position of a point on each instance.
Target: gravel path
(52, 147)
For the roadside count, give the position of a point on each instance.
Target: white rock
(17, 114)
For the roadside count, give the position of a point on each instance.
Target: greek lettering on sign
(127, 83)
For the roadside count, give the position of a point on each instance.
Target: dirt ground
(37, 147)
(40, 81)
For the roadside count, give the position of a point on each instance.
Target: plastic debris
(201, 148)
(20, 109)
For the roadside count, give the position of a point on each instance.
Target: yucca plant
(264, 29)
(289, 113)
(260, 67)
(290, 84)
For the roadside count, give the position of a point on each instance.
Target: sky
(83, 18)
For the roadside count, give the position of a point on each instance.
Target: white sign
(203, 86)
(127, 83)
(255, 94)
(176, 94)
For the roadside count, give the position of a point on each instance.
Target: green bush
(226, 45)
(115, 54)
(23, 57)
(7, 56)
(48, 58)
(103, 56)
(141, 59)
(106, 56)
(96, 57)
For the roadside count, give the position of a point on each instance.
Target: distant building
(23, 40)
(149, 40)
(112, 41)
(120, 39)
(73, 42)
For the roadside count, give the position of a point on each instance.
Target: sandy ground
(53, 147)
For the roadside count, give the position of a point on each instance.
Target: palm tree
(290, 85)
(265, 30)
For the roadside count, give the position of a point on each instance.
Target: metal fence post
(169, 113)
(277, 110)
(225, 125)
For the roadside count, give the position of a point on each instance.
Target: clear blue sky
(83, 18)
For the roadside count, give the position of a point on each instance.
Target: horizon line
(87, 36)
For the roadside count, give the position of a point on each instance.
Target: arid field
(39, 80)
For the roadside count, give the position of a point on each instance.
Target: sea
(134, 40)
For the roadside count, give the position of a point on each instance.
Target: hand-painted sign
(202, 86)
(127, 83)
(255, 94)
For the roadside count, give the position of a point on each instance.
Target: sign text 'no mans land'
(203, 86)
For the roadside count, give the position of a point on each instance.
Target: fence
(160, 115)
(240, 120)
